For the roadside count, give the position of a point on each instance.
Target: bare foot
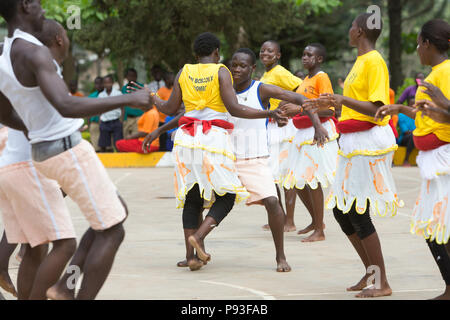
(318, 235)
(182, 264)
(371, 292)
(195, 264)
(266, 227)
(6, 283)
(198, 245)
(283, 266)
(360, 285)
(58, 293)
(290, 227)
(308, 229)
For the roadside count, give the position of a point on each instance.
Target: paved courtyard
(243, 255)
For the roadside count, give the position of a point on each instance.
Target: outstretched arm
(436, 95)
(393, 109)
(56, 92)
(172, 124)
(173, 105)
(432, 110)
(273, 92)
(231, 103)
(8, 115)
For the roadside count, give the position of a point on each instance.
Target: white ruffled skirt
(309, 164)
(431, 215)
(280, 141)
(364, 173)
(206, 160)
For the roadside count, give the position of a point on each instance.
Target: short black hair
(130, 70)
(321, 51)
(276, 43)
(50, 30)
(8, 9)
(371, 33)
(205, 44)
(437, 31)
(98, 78)
(109, 76)
(248, 52)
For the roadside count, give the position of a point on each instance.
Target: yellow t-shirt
(367, 81)
(440, 77)
(200, 87)
(282, 78)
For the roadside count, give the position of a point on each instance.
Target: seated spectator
(146, 124)
(406, 138)
(110, 124)
(164, 93)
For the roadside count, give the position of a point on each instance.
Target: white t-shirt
(154, 86)
(43, 121)
(249, 136)
(113, 114)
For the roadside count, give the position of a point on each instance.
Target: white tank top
(18, 149)
(43, 121)
(249, 136)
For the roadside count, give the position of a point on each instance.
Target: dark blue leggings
(193, 208)
(442, 259)
(353, 222)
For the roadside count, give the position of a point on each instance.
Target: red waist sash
(428, 142)
(303, 122)
(190, 125)
(352, 126)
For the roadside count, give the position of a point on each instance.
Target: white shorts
(33, 207)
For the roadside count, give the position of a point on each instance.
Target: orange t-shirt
(391, 96)
(148, 123)
(77, 94)
(312, 88)
(164, 93)
(392, 101)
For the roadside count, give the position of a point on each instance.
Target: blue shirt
(406, 124)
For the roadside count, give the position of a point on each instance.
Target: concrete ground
(243, 255)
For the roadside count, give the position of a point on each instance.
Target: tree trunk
(120, 72)
(395, 43)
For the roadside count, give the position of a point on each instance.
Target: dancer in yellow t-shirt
(431, 215)
(280, 139)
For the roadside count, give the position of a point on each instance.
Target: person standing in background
(131, 115)
(93, 122)
(158, 82)
(110, 124)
